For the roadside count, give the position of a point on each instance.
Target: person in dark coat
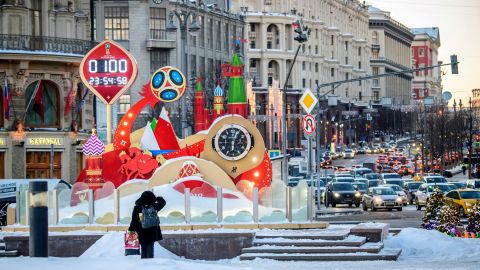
(147, 237)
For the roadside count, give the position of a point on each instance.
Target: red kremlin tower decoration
(237, 98)
(93, 150)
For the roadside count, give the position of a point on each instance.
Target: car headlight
(336, 195)
(358, 194)
(399, 199)
(377, 200)
(468, 204)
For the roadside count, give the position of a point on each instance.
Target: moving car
(360, 187)
(381, 198)
(399, 191)
(372, 176)
(373, 183)
(425, 190)
(473, 184)
(343, 179)
(434, 179)
(459, 185)
(342, 193)
(398, 182)
(463, 200)
(348, 153)
(385, 176)
(360, 172)
(410, 189)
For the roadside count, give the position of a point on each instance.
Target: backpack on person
(149, 217)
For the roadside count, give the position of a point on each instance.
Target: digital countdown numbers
(108, 70)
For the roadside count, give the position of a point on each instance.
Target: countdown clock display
(232, 142)
(108, 70)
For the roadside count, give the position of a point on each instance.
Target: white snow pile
(111, 245)
(433, 245)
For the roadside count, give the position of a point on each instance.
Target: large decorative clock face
(232, 142)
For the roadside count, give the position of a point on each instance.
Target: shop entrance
(38, 165)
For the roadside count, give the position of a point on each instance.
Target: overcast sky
(459, 23)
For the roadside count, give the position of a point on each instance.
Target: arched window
(374, 37)
(44, 107)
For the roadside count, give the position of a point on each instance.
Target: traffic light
(303, 32)
(454, 63)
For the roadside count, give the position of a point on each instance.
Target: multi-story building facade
(390, 43)
(337, 50)
(141, 27)
(41, 46)
(425, 53)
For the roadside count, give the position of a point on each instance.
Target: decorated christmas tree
(474, 219)
(448, 219)
(430, 216)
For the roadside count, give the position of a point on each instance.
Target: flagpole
(109, 123)
(31, 98)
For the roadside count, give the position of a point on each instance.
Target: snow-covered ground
(421, 250)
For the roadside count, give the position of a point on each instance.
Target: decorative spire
(218, 91)
(199, 84)
(93, 147)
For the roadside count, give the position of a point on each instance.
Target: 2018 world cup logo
(168, 84)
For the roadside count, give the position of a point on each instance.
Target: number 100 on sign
(108, 66)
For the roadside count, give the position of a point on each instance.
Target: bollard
(38, 219)
(187, 206)
(116, 206)
(289, 204)
(56, 213)
(17, 207)
(219, 204)
(91, 207)
(255, 205)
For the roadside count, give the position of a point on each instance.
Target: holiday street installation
(227, 152)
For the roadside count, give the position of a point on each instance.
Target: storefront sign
(45, 141)
(3, 142)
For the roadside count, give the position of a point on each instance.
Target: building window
(360, 96)
(316, 67)
(421, 52)
(360, 51)
(157, 23)
(359, 64)
(375, 83)
(304, 65)
(316, 49)
(43, 109)
(124, 103)
(346, 46)
(375, 70)
(332, 72)
(376, 95)
(218, 45)
(331, 40)
(346, 76)
(374, 37)
(304, 83)
(316, 33)
(346, 60)
(374, 54)
(360, 83)
(116, 23)
(346, 92)
(2, 111)
(158, 59)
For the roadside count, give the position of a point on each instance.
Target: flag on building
(69, 102)
(6, 99)
(38, 106)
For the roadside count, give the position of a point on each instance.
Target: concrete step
(350, 241)
(366, 248)
(385, 254)
(324, 234)
(10, 253)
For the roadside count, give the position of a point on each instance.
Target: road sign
(309, 124)
(369, 117)
(108, 70)
(308, 101)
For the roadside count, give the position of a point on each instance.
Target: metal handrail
(45, 44)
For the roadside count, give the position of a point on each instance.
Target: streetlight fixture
(194, 30)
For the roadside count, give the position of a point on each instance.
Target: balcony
(375, 47)
(45, 44)
(159, 40)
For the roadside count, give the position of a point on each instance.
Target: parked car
(348, 153)
(425, 190)
(381, 198)
(399, 191)
(410, 189)
(342, 193)
(462, 200)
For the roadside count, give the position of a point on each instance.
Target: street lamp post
(183, 18)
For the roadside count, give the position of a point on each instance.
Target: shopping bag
(132, 245)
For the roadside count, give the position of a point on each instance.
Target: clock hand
(233, 145)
